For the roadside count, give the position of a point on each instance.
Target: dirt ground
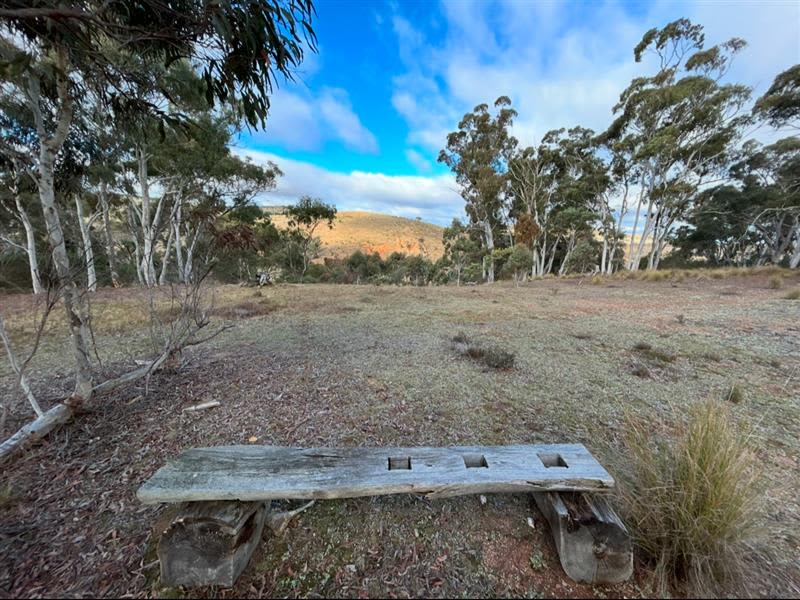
(365, 366)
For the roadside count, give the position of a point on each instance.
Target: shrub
(775, 282)
(691, 501)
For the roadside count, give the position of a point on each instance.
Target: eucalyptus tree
(680, 123)
(780, 105)
(533, 174)
(478, 154)
(460, 248)
(52, 53)
(305, 217)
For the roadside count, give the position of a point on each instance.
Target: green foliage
(519, 262)
(780, 105)
(107, 42)
(692, 501)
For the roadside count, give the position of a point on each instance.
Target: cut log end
(210, 543)
(592, 542)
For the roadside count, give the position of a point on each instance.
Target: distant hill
(376, 232)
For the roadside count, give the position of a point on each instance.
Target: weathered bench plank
(251, 473)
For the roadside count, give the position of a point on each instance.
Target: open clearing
(354, 365)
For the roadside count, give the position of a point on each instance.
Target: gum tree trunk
(88, 253)
(109, 237)
(49, 146)
(30, 239)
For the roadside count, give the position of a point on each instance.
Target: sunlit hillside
(375, 232)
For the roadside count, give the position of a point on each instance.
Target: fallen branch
(21, 379)
(55, 417)
(202, 406)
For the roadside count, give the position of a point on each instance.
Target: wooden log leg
(210, 543)
(593, 544)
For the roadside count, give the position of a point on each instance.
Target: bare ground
(362, 365)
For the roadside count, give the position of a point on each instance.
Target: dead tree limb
(22, 381)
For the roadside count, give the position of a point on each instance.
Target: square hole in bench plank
(475, 461)
(400, 464)
(550, 460)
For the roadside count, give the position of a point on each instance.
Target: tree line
(673, 178)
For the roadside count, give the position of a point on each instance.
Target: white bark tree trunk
(30, 240)
(147, 266)
(162, 279)
(108, 235)
(88, 253)
(176, 226)
(489, 237)
(49, 146)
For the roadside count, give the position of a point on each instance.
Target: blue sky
(366, 117)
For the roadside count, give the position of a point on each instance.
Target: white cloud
(434, 199)
(301, 120)
(560, 66)
(337, 112)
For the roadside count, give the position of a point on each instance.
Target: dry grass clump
(792, 295)
(678, 275)
(736, 394)
(491, 356)
(245, 310)
(775, 282)
(653, 354)
(691, 501)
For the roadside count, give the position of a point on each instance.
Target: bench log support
(210, 543)
(592, 542)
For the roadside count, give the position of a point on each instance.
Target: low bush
(691, 499)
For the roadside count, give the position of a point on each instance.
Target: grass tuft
(736, 394)
(691, 500)
(775, 282)
(659, 356)
(491, 356)
(245, 310)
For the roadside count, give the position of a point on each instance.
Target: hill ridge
(376, 232)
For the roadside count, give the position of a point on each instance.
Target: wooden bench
(225, 494)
